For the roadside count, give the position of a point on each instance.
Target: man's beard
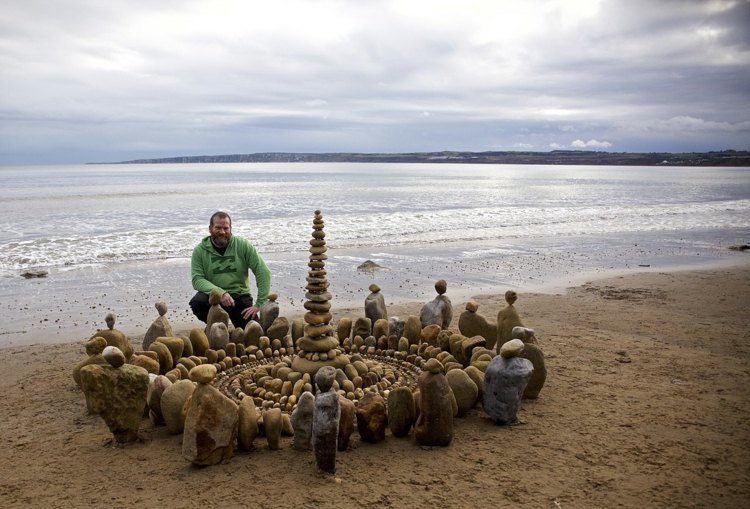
(220, 242)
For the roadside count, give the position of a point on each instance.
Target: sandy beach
(646, 405)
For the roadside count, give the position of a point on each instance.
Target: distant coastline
(568, 157)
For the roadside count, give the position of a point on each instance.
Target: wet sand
(647, 404)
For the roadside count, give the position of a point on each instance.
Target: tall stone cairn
(318, 347)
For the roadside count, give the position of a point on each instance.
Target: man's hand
(227, 300)
(249, 313)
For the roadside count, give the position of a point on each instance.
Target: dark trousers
(200, 306)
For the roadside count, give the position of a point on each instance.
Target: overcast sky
(87, 80)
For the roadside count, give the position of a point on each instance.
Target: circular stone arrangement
(272, 383)
(276, 377)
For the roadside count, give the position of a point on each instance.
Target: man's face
(221, 231)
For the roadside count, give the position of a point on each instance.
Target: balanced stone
(401, 411)
(325, 430)
(269, 311)
(362, 327)
(371, 417)
(218, 335)
(504, 382)
(173, 405)
(114, 337)
(203, 374)
(113, 356)
(159, 327)
(380, 328)
(413, 329)
(511, 348)
(248, 424)
(253, 333)
(507, 318)
(471, 323)
(118, 395)
(435, 423)
(534, 386)
(153, 398)
(199, 341)
(524, 334)
(347, 421)
(272, 425)
(211, 425)
(464, 390)
(175, 345)
(166, 363)
(302, 418)
(216, 313)
(278, 329)
(396, 326)
(375, 304)
(439, 310)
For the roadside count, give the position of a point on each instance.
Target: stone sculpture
(438, 311)
(375, 304)
(507, 318)
(504, 382)
(435, 423)
(318, 347)
(118, 395)
(326, 416)
(159, 327)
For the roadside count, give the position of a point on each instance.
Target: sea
(119, 237)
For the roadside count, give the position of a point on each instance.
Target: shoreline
(646, 403)
(349, 301)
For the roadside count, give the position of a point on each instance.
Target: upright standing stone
(269, 311)
(153, 398)
(371, 417)
(218, 336)
(272, 424)
(413, 330)
(534, 354)
(216, 313)
(253, 333)
(302, 419)
(347, 420)
(504, 382)
(173, 407)
(375, 304)
(326, 417)
(401, 411)
(435, 422)
(464, 390)
(507, 318)
(211, 422)
(248, 424)
(199, 340)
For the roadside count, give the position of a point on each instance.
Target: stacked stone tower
(318, 347)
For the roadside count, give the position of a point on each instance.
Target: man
(223, 261)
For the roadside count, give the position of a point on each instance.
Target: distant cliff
(722, 158)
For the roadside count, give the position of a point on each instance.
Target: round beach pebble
(512, 348)
(203, 374)
(95, 345)
(433, 366)
(114, 356)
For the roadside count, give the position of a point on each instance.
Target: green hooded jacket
(229, 271)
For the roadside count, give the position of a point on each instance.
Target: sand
(647, 404)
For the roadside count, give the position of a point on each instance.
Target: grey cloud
(82, 78)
